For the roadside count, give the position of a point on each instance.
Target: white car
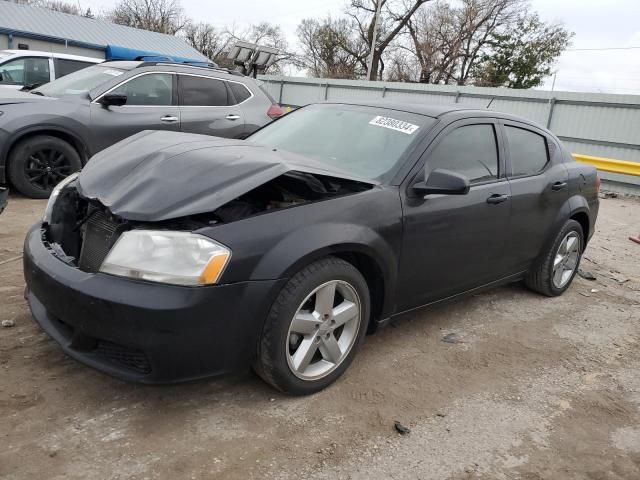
(27, 68)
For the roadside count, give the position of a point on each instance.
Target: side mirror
(444, 182)
(113, 99)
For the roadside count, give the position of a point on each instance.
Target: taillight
(275, 111)
(598, 181)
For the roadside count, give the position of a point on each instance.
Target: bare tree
(323, 53)
(208, 40)
(394, 16)
(164, 16)
(72, 8)
(449, 40)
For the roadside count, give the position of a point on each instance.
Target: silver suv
(50, 132)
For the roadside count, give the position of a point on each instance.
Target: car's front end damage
(134, 281)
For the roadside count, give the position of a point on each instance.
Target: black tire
(540, 278)
(271, 360)
(37, 164)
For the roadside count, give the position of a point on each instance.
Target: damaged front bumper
(140, 331)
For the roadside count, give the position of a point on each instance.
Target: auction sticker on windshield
(393, 124)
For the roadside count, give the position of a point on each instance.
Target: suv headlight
(55, 193)
(179, 258)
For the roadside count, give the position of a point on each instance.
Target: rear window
(202, 92)
(528, 151)
(240, 92)
(65, 67)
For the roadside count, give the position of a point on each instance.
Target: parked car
(174, 256)
(52, 131)
(30, 69)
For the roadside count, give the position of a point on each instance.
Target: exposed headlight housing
(46, 218)
(178, 258)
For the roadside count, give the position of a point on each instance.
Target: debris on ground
(8, 323)
(594, 290)
(452, 338)
(608, 195)
(586, 275)
(401, 428)
(635, 239)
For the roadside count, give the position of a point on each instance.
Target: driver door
(151, 105)
(454, 243)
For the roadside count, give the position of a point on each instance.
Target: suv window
(240, 92)
(25, 71)
(149, 89)
(202, 92)
(528, 151)
(471, 150)
(65, 67)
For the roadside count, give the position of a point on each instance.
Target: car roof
(36, 53)
(437, 110)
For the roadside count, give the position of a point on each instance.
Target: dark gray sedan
(174, 256)
(49, 133)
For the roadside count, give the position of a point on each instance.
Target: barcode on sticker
(393, 124)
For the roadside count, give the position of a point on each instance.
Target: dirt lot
(537, 389)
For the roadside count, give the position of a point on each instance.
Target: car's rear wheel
(37, 164)
(314, 328)
(557, 267)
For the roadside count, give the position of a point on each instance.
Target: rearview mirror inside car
(113, 99)
(444, 182)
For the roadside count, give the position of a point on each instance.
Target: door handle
(232, 116)
(558, 186)
(496, 198)
(169, 119)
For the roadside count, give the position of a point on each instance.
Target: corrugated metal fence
(601, 125)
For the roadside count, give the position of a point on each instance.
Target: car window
(25, 71)
(202, 92)
(65, 66)
(528, 151)
(148, 90)
(80, 82)
(240, 92)
(471, 150)
(368, 142)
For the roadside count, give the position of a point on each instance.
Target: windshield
(79, 82)
(368, 142)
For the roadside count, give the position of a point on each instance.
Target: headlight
(46, 218)
(179, 258)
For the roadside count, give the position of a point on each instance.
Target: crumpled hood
(157, 175)
(9, 96)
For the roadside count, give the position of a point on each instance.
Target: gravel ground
(536, 388)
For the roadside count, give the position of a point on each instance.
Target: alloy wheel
(566, 259)
(323, 330)
(46, 168)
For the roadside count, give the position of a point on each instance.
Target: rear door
(151, 105)
(539, 191)
(453, 243)
(207, 107)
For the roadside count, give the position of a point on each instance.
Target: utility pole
(373, 41)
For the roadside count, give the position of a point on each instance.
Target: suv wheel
(555, 271)
(37, 164)
(314, 328)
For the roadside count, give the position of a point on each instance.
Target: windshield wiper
(37, 93)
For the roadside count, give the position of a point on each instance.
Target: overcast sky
(596, 23)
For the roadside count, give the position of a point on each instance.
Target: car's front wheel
(314, 328)
(37, 164)
(554, 271)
